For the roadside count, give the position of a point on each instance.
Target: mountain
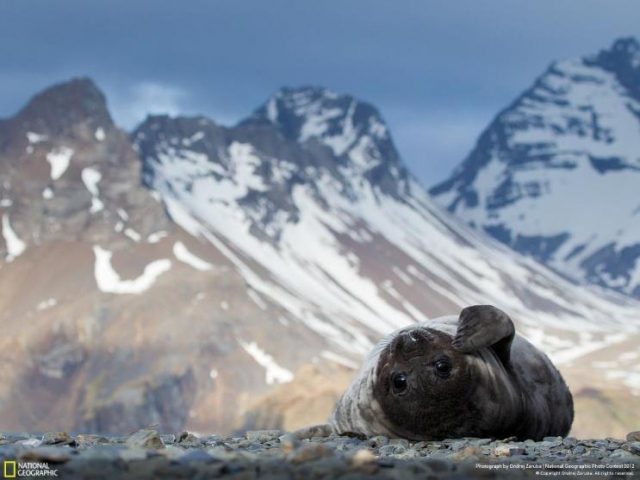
(555, 176)
(204, 277)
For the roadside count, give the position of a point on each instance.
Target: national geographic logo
(13, 469)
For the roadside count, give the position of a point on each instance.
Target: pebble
(633, 436)
(148, 439)
(308, 452)
(263, 435)
(47, 454)
(470, 452)
(30, 442)
(188, 439)
(91, 439)
(57, 438)
(272, 454)
(361, 457)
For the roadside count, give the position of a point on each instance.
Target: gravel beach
(273, 454)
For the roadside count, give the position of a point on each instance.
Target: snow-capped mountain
(197, 266)
(556, 175)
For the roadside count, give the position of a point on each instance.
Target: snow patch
(274, 372)
(36, 137)
(100, 136)
(59, 159)
(184, 255)
(108, 280)
(15, 246)
(132, 234)
(91, 178)
(157, 236)
(123, 214)
(45, 304)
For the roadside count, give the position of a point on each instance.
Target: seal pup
(452, 377)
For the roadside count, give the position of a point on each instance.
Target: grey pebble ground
(271, 454)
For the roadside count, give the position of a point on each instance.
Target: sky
(439, 72)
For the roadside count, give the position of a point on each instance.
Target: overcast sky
(438, 71)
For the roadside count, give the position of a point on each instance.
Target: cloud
(131, 105)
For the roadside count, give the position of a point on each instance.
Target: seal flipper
(485, 326)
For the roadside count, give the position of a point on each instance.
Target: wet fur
(500, 385)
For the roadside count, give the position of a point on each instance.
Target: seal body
(464, 376)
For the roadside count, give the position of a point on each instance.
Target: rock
(101, 453)
(633, 436)
(91, 439)
(30, 442)
(391, 450)
(289, 442)
(224, 453)
(57, 438)
(263, 435)
(377, 441)
(47, 454)
(135, 453)
(309, 452)
(148, 439)
(482, 441)
(580, 450)
(621, 454)
(399, 442)
(634, 447)
(470, 452)
(362, 456)
(188, 439)
(196, 456)
(171, 452)
(501, 451)
(439, 465)
(517, 450)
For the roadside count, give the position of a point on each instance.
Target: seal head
(425, 387)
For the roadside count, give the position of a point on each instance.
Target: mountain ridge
(214, 263)
(573, 132)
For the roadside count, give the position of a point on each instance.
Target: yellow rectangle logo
(9, 469)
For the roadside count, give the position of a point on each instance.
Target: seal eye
(399, 382)
(443, 369)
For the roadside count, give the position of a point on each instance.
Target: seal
(451, 377)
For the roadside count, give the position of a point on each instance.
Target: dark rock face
(297, 137)
(58, 149)
(534, 176)
(163, 402)
(353, 131)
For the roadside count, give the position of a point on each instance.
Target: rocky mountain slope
(175, 276)
(556, 175)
